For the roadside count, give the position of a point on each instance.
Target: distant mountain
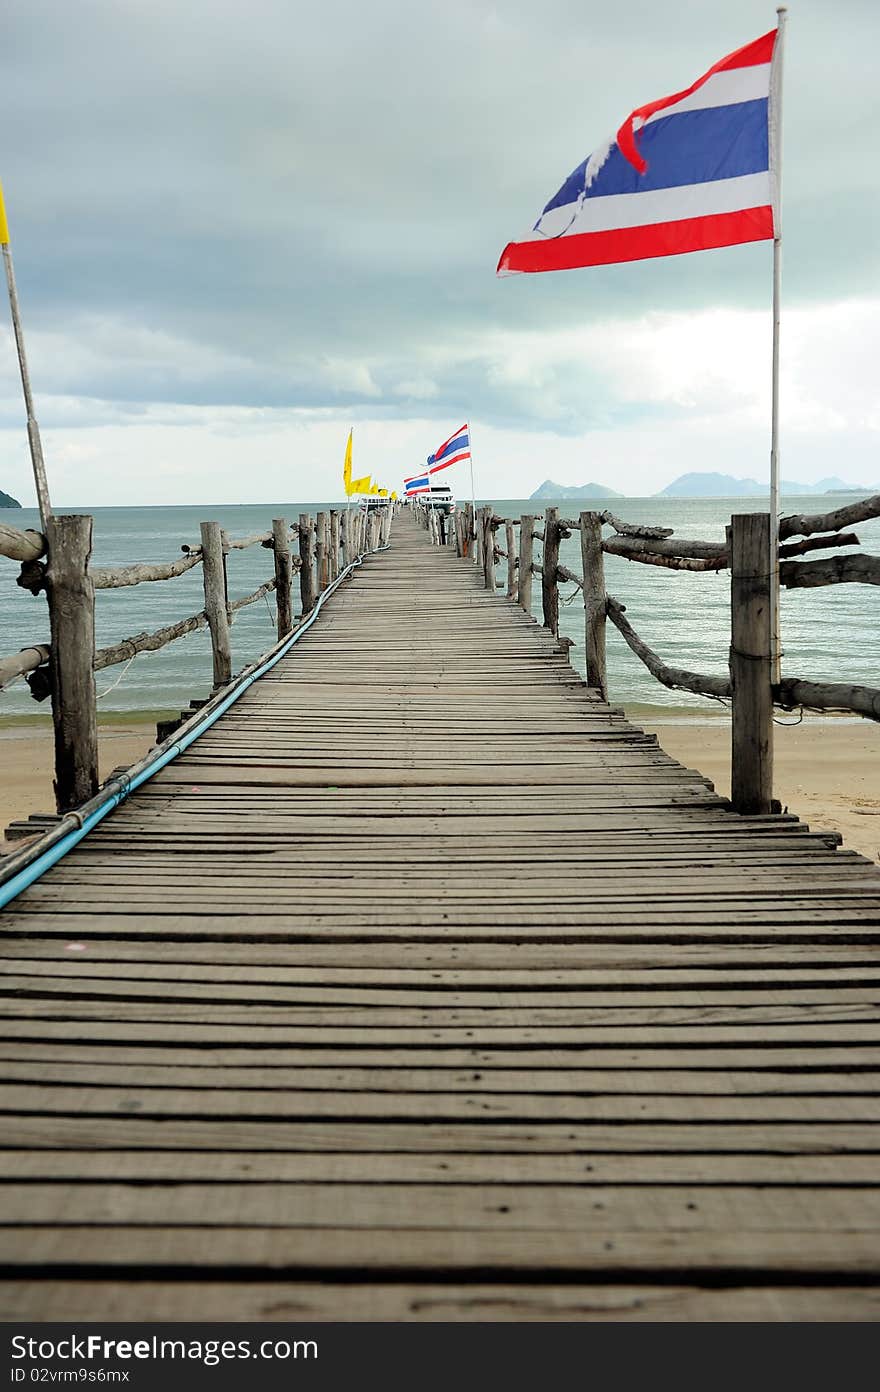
(726, 486)
(6, 501)
(549, 489)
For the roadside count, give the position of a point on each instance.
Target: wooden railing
(58, 565)
(749, 687)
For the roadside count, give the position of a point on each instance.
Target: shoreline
(822, 763)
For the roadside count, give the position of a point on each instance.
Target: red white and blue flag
(417, 484)
(688, 172)
(452, 451)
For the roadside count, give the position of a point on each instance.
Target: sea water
(829, 634)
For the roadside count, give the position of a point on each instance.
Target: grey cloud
(284, 185)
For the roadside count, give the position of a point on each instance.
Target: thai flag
(452, 451)
(417, 484)
(685, 173)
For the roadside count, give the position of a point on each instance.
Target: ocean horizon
(683, 616)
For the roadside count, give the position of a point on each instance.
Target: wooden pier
(426, 986)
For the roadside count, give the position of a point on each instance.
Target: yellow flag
(361, 485)
(346, 468)
(4, 227)
(383, 492)
(374, 488)
(394, 497)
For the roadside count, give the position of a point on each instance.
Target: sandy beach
(827, 771)
(26, 763)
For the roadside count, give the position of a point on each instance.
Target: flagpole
(33, 429)
(776, 167)
(348, 484)
(470, 426)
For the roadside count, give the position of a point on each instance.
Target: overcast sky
(241, 228)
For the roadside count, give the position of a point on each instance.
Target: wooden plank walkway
(425, 986)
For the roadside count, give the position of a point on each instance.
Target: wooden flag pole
(776, 174)
(33, 429)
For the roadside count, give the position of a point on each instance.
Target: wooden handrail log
(863, 700)
(563, 573)
(818, 543)
(834, 570)
(669, 676)
(148, 642)
(699, 550)
(537, 569)
(674, 562)
(538, 533)
(21, 546)
(801, 524)
(253, 597)
(241, 544)
(115, 577)
(631, 529)
(21, 662)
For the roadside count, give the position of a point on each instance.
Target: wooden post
(550, 562)
(510, 535)
(283, 573)
(306, 575)
(321, 558)
(488, 550)
(374, 530)
(334, 545)
(751, 773)
(526, 554)
(216, 600)
(594, 601)
(71, 595)
(343, 540)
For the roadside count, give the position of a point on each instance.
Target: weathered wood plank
(131, 1249)
(493, 1208)
(374, 1300)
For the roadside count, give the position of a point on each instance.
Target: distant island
(699, 485)
(549, 489)
(726, 486)
(7, 501)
